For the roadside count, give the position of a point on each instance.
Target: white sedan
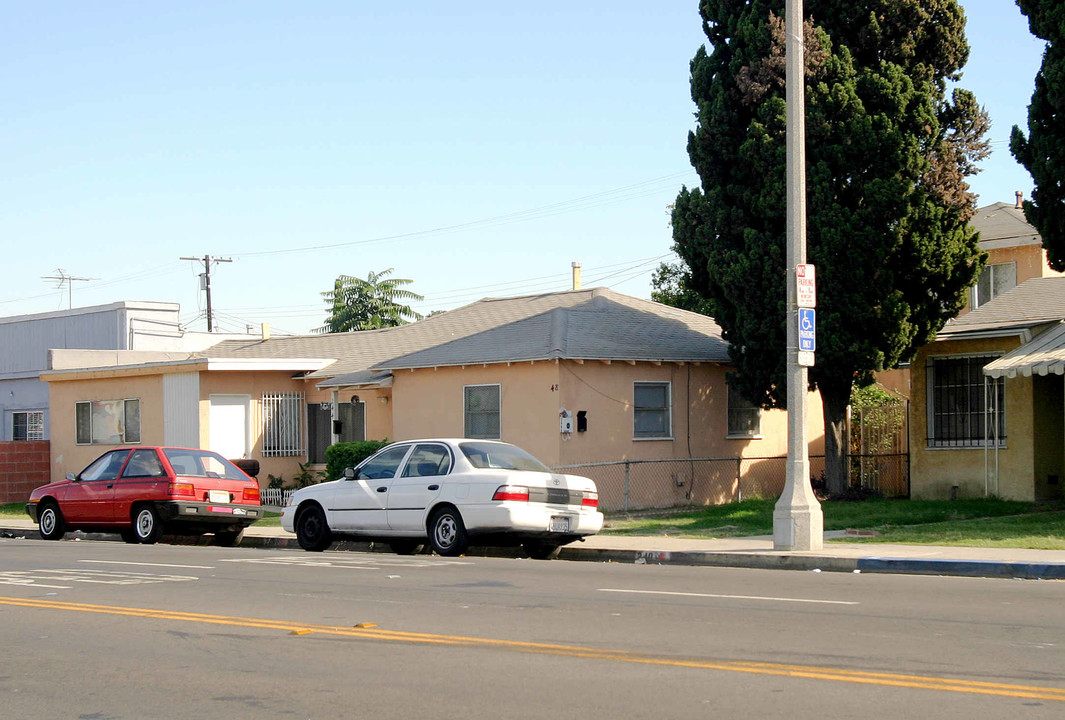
(448, 492)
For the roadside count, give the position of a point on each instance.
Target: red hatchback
(144, 492)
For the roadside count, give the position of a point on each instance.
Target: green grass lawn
(978, 522)
(973, 523)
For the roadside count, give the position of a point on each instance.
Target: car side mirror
(71, 476)
(350, 474)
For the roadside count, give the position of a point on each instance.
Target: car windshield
(500, 456)
(202, 463)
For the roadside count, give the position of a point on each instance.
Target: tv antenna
(61, 278)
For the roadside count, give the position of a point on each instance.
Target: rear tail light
(512, 492)
(591, 499)
(182, 490)
(251, 494)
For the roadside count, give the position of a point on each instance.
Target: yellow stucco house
(582, 376)
(988, 400)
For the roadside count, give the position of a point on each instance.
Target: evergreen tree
(357, 304)
(1043, 151)
(888, 209)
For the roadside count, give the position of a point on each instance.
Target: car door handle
(110, 485)
(434, 487)
(382, 489)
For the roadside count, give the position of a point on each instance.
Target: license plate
(218, 496)
(559, 524)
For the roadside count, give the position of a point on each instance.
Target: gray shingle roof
(1033, 302)
(1004, 221)
(592, 324)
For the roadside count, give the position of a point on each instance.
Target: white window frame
(284, 424)
(34, 424)
(738, 404)
(970, 442)
(127, 428)
(667, 410)
(467, 412)
(991, 270)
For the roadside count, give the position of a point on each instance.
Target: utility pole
(207, 260)
(61, 278)
(798, 523)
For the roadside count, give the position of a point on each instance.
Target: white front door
(229, 425)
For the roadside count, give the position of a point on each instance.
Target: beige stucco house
(988, 400)
(574, 377)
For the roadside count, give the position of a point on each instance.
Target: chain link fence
(626, 485)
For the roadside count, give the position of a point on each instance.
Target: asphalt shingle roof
(592, 324)
(1004, 221)
(1033, 302)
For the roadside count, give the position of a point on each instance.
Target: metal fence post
(739, 479)
(626, 486)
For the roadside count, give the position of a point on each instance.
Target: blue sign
(807, 329)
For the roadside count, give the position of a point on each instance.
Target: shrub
(350, 454)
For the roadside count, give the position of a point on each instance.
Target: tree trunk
(834, 398)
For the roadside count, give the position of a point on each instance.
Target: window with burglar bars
(651, 410)
(27, 425)
(480, 407)
(283, 424)
(960, 399)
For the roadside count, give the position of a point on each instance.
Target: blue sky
(478, 148)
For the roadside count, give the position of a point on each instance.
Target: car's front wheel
(447, 532)
(50, 522)
(312, 530)
(147, 526)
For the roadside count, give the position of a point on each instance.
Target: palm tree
(357, 304)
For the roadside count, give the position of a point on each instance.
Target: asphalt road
(105, 630)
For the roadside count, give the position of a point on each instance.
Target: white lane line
(729, 597)
(119, 562)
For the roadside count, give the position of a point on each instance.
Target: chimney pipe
(576, 275)
(1020, 200)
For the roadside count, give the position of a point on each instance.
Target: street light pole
(798, 523)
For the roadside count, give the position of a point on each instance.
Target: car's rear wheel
(447, 532)
(312, 530)
(50, 521)
(406, 546)
(147, 526)
(229, 538)
(540, 549)
(128, 535)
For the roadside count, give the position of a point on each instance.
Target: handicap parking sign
(807, 329)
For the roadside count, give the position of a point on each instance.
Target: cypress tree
(888, 209)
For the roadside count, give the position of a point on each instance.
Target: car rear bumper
(172, 511)
(530, 519)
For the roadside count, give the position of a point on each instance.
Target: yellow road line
(758, 668)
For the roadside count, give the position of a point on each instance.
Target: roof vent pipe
(576, 275)
(1020, 200)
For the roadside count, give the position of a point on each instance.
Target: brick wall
(24, 465)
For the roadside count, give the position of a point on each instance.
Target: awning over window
(1042, 355)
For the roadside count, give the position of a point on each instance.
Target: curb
(749, 560)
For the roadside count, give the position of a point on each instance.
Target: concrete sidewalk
(746, 552)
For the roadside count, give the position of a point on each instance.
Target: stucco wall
(935, 471)
(429, 403)
(67, 455)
